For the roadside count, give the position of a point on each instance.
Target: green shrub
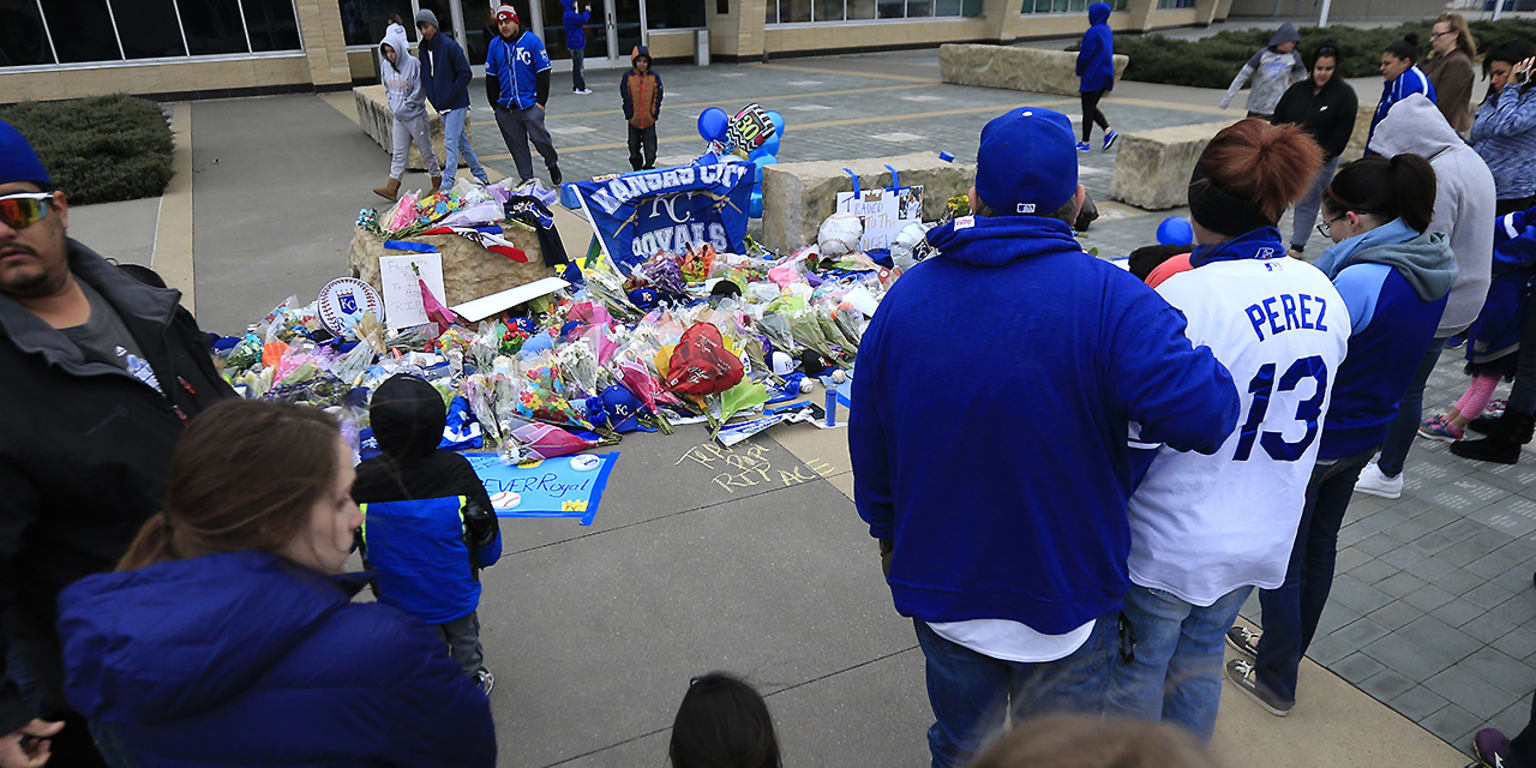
(1213, 61)
(99, 150)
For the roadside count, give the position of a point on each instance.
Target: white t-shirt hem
(1007, 640)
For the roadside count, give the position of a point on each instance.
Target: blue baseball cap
(1027, 162)
(17, 160)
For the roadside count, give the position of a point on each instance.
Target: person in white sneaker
(1464, 204)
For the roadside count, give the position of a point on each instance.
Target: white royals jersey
(1202, 526)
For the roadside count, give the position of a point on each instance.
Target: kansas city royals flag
(638, 214)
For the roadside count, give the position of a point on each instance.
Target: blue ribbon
(855, 178)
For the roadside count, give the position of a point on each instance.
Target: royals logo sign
(669, 209)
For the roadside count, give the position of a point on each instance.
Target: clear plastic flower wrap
(351, 365)
(577, 365)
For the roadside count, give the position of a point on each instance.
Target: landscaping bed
(101, 149)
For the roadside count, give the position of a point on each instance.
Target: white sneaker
(1372, 481)
(584, 91)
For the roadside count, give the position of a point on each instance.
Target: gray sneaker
(1240, 672)
(1244, 641)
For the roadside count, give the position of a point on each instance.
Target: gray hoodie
(1464, 199)
(1272, 72)
(402, 82)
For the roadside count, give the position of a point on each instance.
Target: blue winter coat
(244, 658)
(575, 34)
(982, 529)
(1096, 57)
(445, 72)
(1497, 331)
(420, 553)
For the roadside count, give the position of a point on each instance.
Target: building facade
(175, 49)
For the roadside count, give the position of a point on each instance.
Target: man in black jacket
(101, 374)
(1324, 106)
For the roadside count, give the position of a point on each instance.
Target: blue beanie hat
(1027, 162)
(17, 160)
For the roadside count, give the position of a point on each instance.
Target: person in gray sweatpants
(401, 75)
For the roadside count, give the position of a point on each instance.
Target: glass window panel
(891, 9)
(973, 7)
(480, 27)
(794, 10)
(946, 7)
(86, 30)
(363, 21)
(676, 14)
(148, 28)
(861, 9)
(22, 41)
(213, 26)
(828, 10)
(771, 12)
(919, 8)
(271, 25)
(553, 33)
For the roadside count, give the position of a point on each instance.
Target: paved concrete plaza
(594, 632)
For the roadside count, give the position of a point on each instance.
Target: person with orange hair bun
(1207, 529)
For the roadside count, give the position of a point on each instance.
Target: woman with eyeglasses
(1449, 67)
(1393, 274)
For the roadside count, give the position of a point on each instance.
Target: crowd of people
(1214, 407)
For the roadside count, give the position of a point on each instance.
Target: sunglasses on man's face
(22, 210)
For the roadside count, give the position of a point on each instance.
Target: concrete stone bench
(469, 271)
(1035, 70)
(798, 196)
(1152, 168)
(379, 123)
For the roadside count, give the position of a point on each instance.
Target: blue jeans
(1410, 411)
(1176, 673)
(578, 70)
(972, 694)
(1304, 216)
(1291, 611)
(456, 141)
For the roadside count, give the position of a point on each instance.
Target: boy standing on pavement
(517, 84)
(576, 43)
(445, 73)
(1012, 562)
(641, 90)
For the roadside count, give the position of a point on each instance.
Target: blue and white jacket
(982, 529)
(516, 67)
(1504, 133)
(1394, 282)
(1411, 81)
(421, 555)
(1498, 328)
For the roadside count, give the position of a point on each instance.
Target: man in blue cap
(102, 372)
(1011, 562)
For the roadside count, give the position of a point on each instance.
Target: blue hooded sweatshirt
(1394, 282)
(1096, 56)
(245, 658)
(1013, 331)
(575, 35)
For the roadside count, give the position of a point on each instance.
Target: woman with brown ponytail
(1393, 274)
(228, 634)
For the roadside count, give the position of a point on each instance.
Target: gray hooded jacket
(402, 82)
(1464, 199)
(1273, 73)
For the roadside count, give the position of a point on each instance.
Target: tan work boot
(390, 191)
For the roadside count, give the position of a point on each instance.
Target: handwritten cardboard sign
(401, 276)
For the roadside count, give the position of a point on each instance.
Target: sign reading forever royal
(669, 209)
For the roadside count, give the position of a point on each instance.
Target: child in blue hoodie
(1493, 341)
(1096, 67)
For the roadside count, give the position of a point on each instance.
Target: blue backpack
(421, 558)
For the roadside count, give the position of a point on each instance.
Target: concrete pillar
(325, 45)
(1004, 21)
(1205, 11)
(1141, 14)
(736, 34)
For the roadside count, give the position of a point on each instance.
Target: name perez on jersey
(1287, 312)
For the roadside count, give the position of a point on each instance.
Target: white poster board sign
(399, 275)
(884, 212)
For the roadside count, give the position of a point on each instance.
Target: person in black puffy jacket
(1324, 106)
